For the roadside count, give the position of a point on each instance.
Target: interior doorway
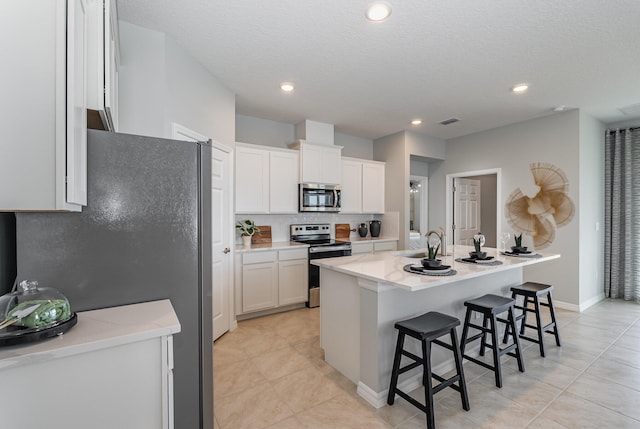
(474, 204)
(418, 211)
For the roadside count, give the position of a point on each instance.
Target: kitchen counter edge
(97, 330)
(264, 247)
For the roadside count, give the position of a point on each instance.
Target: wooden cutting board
(264, 236)
(343, 230)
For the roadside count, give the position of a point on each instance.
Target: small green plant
(247, 227)
(518, 239)
(433, 251)
(477, 244)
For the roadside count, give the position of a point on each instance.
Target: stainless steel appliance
(144, 235)
(321, 245)
(316, 197)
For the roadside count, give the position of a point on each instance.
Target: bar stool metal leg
(457, 355)
(428, 385)
(396, 367)
(553, 319)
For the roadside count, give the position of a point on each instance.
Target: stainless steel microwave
(319, 197)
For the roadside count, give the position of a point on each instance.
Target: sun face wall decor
(550, 208)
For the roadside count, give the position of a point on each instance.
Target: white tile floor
(270, 373)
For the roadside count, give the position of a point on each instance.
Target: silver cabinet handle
(226, 250)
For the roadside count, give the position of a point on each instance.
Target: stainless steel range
(321, 245)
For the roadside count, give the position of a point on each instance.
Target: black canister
(374, 226)
(362, 230)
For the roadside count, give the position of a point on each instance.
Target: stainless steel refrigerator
(144, 235)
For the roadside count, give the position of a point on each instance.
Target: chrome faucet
(443, 239)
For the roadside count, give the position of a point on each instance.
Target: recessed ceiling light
(416, 122)
(378, 11)
(520, 88)
(287, 86)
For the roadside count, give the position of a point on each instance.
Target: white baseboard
(583, 305)
(379, 399)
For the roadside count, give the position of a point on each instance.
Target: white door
(466, 210)
(222, 227)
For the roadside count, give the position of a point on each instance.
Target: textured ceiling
(432, 59)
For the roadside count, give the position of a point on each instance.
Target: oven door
(314, 270)
(319, 198)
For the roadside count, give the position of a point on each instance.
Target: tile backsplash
(280, 223)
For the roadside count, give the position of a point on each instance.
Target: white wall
(629, 123)
(142, 78)
(161, 83)
(592, 135)
(279, 134)
(554, 139)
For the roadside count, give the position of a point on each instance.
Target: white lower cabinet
(373, 246)
(271, 279)
(259, 281)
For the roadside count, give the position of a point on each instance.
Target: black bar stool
(531, 292)
(490, 306)
(427, 329)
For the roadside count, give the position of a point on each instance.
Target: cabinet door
(311, 163)
(372, 188)
(384, 246)
(283, 183)
(331, 157)
(76, 102)
(351, 187)
(293, 281)
(259, 286)
(358, 248)
(252, 180)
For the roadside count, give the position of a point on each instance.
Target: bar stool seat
(490, 306)
(531, 293)
(427, 328)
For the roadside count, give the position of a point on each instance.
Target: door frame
(424, 201)
(449, 199)
(233, 322)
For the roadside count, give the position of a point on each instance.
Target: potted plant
(247, 228)
(478, 242)
(433, 245)
(518, 248)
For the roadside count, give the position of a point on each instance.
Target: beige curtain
(622, 214)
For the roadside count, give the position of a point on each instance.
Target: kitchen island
(363, 296)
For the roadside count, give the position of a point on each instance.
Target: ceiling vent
(449, 121)
(632, 110)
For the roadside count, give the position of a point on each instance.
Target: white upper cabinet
(252, 180)
(43, 117)
(103, 64)
(351, 186)
(319, 163)
(373, 183)
(362, 186)
(283, 183)
(266, 179)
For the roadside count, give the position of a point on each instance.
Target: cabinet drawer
(259, 257)
(357, 248)
(384, 245)
(289, 255)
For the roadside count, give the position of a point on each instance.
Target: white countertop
(96, 330)
(387, 267)
(263, 247)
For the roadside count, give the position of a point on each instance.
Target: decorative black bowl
(431, 263)
(478, 255)
(518, 249)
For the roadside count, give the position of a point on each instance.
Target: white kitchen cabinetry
(269, 279)
(293, 271)
(362, 186)
(319, 163)
(103, 64)
(114, 369)
(266, 179)
(373, 246)
(43, 111)
(259, 281)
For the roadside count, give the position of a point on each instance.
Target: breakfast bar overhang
(363, 296)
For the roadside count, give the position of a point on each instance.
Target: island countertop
(388, 267)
